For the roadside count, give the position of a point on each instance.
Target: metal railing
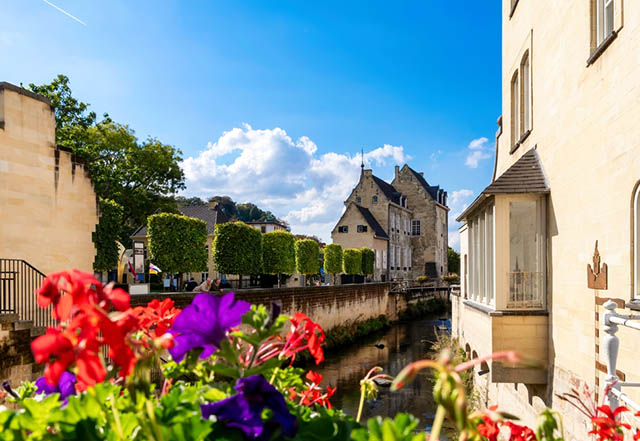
(18, 283)
(610, 344)
(525, 290)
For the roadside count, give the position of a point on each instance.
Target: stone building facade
(48, 208)
(400, 222)
(567, 174)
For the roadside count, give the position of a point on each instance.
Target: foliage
(423, 309)
(402, 428)
(307, 257)
(138, 175)
(422, 279)
(237, 249)
(352, 261)
(246, 212)
(278, 253)
(106, 234)
(368, 260)
(185, 201)
(177, 243)
(316, 239)
(353, 331)
(453, 261)
(451, 278)
(333, 258)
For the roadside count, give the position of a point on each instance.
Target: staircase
(19, 281)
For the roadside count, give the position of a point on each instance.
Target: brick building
(404, 222)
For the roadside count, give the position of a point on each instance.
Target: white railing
(525, 290)
(610, 345)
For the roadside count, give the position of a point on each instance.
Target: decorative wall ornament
(597, 276)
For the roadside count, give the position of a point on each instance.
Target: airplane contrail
(65, 12)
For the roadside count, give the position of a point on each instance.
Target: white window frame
(384, 259)
(605, 19)
(636, 244)
(525, 93)
(482, 275)
(392, 257)
(416, 227)
(515, 108)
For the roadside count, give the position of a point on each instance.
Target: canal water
(403, 343)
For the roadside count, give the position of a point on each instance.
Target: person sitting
(190, 286)
(203, 287)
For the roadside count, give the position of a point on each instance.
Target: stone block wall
(16, 360)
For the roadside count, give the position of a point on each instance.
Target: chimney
(397, 171)
(421, 174)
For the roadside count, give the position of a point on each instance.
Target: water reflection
(403, 343)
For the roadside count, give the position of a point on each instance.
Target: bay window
(636, 243)
(481, 238)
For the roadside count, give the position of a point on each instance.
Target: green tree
(278, 253)
(139, 175)
(177, 243)
(352, 261)
(307, 257)
(106, 234)
(368, 260)
(182, 201)
(237, 249)
(333, 260)
(453, 261)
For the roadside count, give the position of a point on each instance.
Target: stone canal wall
(328, 305)
(16, 360)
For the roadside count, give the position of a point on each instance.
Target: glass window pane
(525, 271)
(608, 17)
(489, 258)
(515, 110)
(637, 243)
(525, 95)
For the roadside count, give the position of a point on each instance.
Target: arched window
(635, 233)
(515, 110)
(525, 96)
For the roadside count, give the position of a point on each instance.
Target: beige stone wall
(584, 122)
(47, 204)
(17, 363)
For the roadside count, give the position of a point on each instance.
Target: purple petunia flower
(204, 324)
(66, 386)
(244, 409)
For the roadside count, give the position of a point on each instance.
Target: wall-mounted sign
(597, 276)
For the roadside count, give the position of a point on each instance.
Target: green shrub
(307, 256)
(177, 243)
(106, 234)
(451, 278)
(237, 249)
(278, 253)
(368, 261)
(333, 259)
(422, 279)
(423, 309)
(352, 260)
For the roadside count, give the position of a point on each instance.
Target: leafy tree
(307, 257)
(226, 204)
(368, 261)
(177, 243)
(278, 253)
(182, 201)
(333, 259)
(453, 261)
(237, 249)
(138, 175)
(106, 234)
(352, 261)
(316, 239)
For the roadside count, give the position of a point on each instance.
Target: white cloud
(458, 202)
(288, 177)
(479, 150)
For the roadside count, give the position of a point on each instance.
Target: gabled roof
(211, 216)
(524, 176)
(433, 191)
(389, 191)
(373, 223)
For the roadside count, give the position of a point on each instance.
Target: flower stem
(362, 392)
(273, 377)
(437, 423)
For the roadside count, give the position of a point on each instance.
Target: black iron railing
(18, 283)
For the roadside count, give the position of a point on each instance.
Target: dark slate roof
(373, 223)
(525, 176)
(434, 191)
(391, 193)
(211, 216)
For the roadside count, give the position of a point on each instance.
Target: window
(415, 227)
(378, 258)
(362, 228)
(515, 111)
(392, 255)
(481, 266)
(374, 200)
(263, 229)
(525, 96)
(343, 229)
(358, 200)
(398, 257)
(636, 242)
(384, 259)
(410, 259)
(406, 259)
(604, 20)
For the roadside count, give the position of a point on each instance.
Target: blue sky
(271, 102)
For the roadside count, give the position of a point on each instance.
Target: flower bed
(230, 377)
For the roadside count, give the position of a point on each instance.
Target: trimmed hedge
(368, 261)
(237, 249)
(106, 234)
(333, 259)
(177, 243)
(278, 253)
(352, 261)
(307, 257)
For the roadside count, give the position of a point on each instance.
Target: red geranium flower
(304, 329)
(157, 317)
(489, 429)
(520, 433)
(313, 393)
(607, 426)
